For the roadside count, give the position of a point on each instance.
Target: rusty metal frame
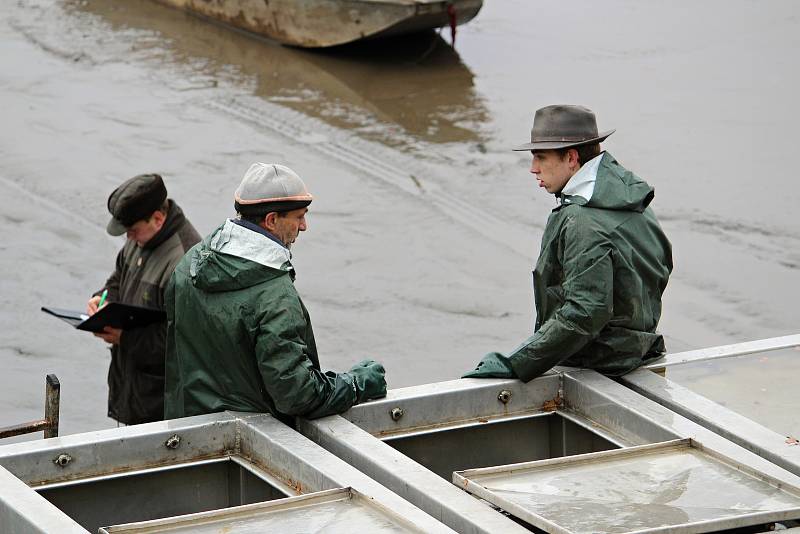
(52, 403)
(271, 450)
(360, 436)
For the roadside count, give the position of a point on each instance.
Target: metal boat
(325, 23)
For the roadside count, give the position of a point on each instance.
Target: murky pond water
(425, 224)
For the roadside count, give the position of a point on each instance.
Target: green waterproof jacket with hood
(603, 266)
(239, 337)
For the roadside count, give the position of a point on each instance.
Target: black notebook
(113, 314)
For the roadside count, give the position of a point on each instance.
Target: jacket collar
(256, 228)
(237, 240)
(582, 183)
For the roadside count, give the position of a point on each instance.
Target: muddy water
(425, 224)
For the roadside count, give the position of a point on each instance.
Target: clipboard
(113, 314)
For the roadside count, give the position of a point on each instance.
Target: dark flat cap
(136, 199)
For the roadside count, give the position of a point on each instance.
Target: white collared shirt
(582, 182)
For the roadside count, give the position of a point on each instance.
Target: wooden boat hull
(325, 23)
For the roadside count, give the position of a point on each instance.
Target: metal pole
(24, 428)
(725, 351)
(49, 424)
(52, 405)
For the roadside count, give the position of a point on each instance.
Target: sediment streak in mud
(375, 161)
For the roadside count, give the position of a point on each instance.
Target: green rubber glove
(493, 365)
(369, 379)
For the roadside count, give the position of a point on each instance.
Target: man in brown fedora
(604, 260)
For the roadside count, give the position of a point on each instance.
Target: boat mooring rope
(451, 14)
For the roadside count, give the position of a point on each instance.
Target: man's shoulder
(188, 235)
(283, 285)
(575, 213)
(271, 297)
(579, 223)
(181, 241)
(232, 272)
(168, 254)
(185, 260)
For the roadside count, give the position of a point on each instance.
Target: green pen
(102, 298)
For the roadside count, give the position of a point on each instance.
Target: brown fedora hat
(563, 126)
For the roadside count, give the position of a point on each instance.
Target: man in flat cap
(239, 337)
(604, 260)
(158, 236)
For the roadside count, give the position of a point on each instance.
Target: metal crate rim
(463, 480)
(289, 503)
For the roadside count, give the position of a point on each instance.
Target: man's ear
(572, 155)
(269, 221)
(158, 217)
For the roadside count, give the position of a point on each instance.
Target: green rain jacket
(239, 337)
(603, 266)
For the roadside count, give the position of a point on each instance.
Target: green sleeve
(588, 302)
(296, 386)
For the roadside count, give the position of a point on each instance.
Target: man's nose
(303, 225)
(535, 166)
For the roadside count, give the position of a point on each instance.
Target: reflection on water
(418, 84)
(397, 91)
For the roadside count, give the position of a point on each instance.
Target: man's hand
(370, 380)
(91, 306)
(493, 365)
(110, 335)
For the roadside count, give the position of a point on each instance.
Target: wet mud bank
(424, 226)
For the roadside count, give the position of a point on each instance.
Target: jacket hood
(616, 188)
(233, 257)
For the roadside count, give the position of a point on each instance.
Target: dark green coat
(602, 269)
(239, 337)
